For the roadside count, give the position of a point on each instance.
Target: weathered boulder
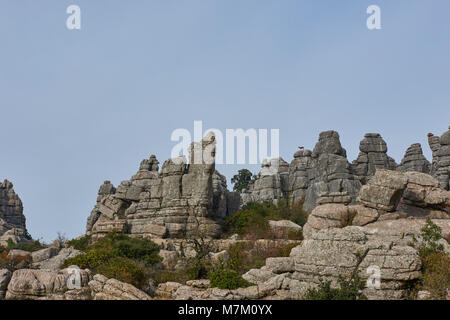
(361, 215)
(384, 190)
(282, 228)
(43, 254)
(111, 289)
(327, 216)
(55, 262)
(32, 284)
(423, 197)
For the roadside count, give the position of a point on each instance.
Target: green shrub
(435, 263)
(81, 243)
(253, 219)
(125, 270)
(349, 289)
(118, 256)
(241, 180)
(31, 246)
(227, 279)
(431, 234)
(436, 275)
(92, 259)
(244, 256)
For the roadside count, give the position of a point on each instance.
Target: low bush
(436, 275)
(118, 256)
(253, 219)
(244, 256)
(121, 245)
(227, 279)
(435, 263)
(348, 289)
(30, 246)
(430, 234)
(81, 243)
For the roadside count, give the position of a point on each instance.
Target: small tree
(349, 288)
(241, 180)
(431, 234)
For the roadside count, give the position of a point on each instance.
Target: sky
(78, 107)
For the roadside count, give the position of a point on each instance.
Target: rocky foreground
(365, 216)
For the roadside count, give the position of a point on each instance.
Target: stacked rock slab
(414, 160)
(440, 147)
(373, 155)
(335, 252)
(270, 184)
(324, 172)
(180, 201)
(323, 175)
(12, 220)
(389, 195)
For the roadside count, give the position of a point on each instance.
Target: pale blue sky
(81, 107)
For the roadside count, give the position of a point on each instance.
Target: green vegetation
(430, 234)
(252, 220)
(348, 289)
(30, 246)
(241, 180)
(227, 279)
(435, 263)
(244, 256)
(81, 243)
(119, 256)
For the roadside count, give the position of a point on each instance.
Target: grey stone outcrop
(440, 168)
(179, 201)
(414, 160)
(12, 220)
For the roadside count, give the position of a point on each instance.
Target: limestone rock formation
(440, 147)
(373, 155)
(326, 255)
(12, 220)
(180, 201)
(330, 253)
(414, 160)
(33, 284)
(384, 191)
(389, 195)
(270, 184)
(323, 175)
(51, 259)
